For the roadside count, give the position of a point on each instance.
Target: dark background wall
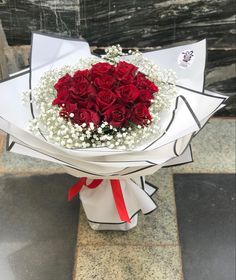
(135, 23)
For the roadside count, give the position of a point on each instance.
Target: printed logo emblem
(186, 58)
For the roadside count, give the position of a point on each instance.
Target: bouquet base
(119, 227)
(111, 207)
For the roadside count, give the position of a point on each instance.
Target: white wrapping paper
(189, 112)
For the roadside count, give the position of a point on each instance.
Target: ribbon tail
(76, 188)
(119, 200)
(95, 183)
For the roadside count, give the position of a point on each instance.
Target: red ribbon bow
(116, 190)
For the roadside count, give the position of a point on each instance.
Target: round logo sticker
(186, 58)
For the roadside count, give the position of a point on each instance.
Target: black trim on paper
(104, 223)
(153, 186)
(25, 145)
(131, 172)
(147, 161)
(188, 144)
(178, 164)
(191, 111)
(65, 163)
(150, 212)
(156, 189)
(186, 162)
(142, 183)
(7, 141)
(175, 152)
(212, 113)
(10, 146)
(204, 71)
(202, 93)
(133, 181)
(139, 211)
(173, 116)
(15, 76)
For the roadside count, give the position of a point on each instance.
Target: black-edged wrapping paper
(191, 109)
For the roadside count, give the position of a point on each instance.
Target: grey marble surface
(206, 219)
(38, 227)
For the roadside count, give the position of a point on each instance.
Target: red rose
(87, 104)
(125, 72)
(83, 91)
(62, 97)
(92, 106)
(70, 107)
(64, 82)
(105, 99)
(84, 73)
(143, 83)
(80, 83)
(116, 116)
(101, 69)
(145, 97)
(140, 114)
(104, 82)
(127, 94)
(127, 79)
(86, 116)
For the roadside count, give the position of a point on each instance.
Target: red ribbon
(116, 190)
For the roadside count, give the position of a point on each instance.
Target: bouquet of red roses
(108, 120)
(113, 101)
(115, 94)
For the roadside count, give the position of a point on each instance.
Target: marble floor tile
(110, 262)
(206, 216)
(159, 227)
(38, 228)
(213, 149)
